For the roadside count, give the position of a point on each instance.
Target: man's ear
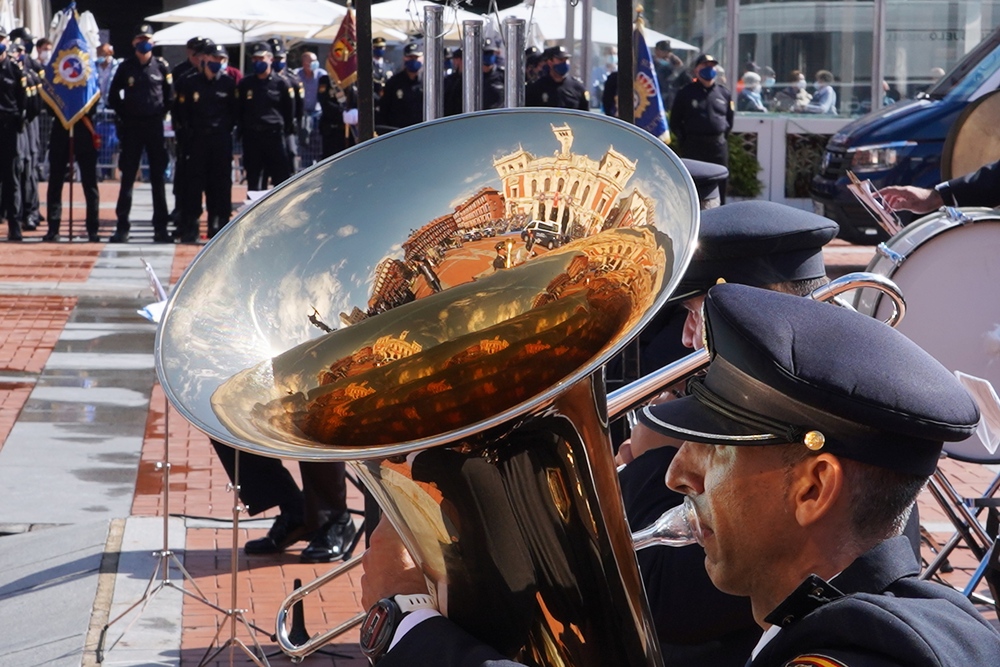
(817, 486)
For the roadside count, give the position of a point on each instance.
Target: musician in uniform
(557, 88)
(264, 119)
(979, 188)
(205, 117)
(402, 102)
(12, 109)
(141, 94)
(702, 116)
(803, 452)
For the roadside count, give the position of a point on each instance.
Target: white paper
(988, 429)
(154, 311)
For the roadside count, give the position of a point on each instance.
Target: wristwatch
(382, 620)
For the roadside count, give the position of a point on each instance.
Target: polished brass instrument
(470, 395)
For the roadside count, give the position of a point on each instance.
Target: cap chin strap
(781, 431)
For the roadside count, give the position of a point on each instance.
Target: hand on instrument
(643, 438)
(389, 569)
(909, 198)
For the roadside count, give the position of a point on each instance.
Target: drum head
(974, 139)
(950, 283)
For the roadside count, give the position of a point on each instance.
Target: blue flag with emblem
(70, 85)
(649, 114)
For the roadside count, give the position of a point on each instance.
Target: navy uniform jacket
(13, 92)
(402, 103)
(206, 106)
(701, 111)
(452, 93)
(298, 92)
(879, 615)
(265, 105)
(333, 102)
(980, 188)
(569, 93)
(147, 89)
(493, 88)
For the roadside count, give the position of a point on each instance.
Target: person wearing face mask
(767, 86)
(182, 72)
(206, 109)
(750, 98)
(702, 117)
(297, 91)
(28, 146)
(264, 119)
(794, 96)
(402, 102)
(12, 110)
(493, 76)
(452, 85)
(44, 49)
(141, 94)
(381, 69)
(824, 100)
(558, 88)
(107, 65)
(310, 74)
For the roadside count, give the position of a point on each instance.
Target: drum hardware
(891, 255)
(955, 214)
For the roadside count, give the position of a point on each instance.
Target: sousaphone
(462, 368)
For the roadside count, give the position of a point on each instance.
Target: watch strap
(408, 603)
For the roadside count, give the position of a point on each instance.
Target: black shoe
(93, 238)
(191, 239)
(12, 237)
(283, 533)
(119, 237)
(162, 237)
(331, 542)
(29, 226)
(51, 237)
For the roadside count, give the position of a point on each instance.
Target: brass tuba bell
(465, 385)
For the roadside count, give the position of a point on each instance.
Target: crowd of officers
(212, 103)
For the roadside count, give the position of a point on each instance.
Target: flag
(649, 114)
(70, 84)
(342, 63)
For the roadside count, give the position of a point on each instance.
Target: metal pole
(586, 46)
(433, 61)
(733, 43)
(626, 61)
(878, 55)
(366, 102)
(513, 83)
(570, 39)
(472, 71)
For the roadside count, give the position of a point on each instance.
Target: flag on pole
(342, 63)
(649, 113)
(70, 83)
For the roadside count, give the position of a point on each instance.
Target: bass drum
(947, 265)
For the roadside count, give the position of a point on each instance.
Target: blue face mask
(562, 69)
(707, 73)
(413, 65)
(769, 82)
(489, 59)
(278, 65)
(259, 66)
(143, 47)
(378, 53)
(545, 70)
(314, 66)
(213, 66)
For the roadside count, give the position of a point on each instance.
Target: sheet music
(154, 311)
(866, 193)
(988, 429)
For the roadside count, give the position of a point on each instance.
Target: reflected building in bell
(574, 190)
(480, 210)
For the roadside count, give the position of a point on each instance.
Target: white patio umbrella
(406, 17)
(550, 20)
(255, 17)
(179, 33)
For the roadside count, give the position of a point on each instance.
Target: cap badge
(814, 440)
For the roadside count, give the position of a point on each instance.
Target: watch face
(378, 628)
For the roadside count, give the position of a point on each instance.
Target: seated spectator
(750, 97)
(824, 101)
(794, 95)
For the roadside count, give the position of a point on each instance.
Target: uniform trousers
(712, 148)
(334, 140)
(137, 135)
(266, 483)
(265, 148)
(10, 186)
(85, 155)
(28, 175)
(207, 169)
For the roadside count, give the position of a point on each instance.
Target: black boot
(284, 532)
(121, 233)
(331, 541)
(53, 233)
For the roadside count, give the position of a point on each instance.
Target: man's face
(692, 336)
(741, 496)
(307, 59)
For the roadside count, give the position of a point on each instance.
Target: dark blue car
(900, 144)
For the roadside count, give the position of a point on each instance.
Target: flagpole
(72, 171)
(626, 60)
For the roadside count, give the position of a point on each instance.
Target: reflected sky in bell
(316, 240)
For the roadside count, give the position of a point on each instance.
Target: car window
(966, 80)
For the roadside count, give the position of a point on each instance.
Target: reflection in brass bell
(814, 440)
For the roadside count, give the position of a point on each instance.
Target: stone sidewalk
(83, 427)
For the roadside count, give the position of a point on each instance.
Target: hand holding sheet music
(866, 193)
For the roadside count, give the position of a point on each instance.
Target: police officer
(190, 67)
(298, 93)
(403, 99)
(264, 120)
(141, 94)
(336, 106)
(381, 69)
(452, 85)
(206, 115)
(702, 116)
(493, 76)
(532, 64)
(28, 141)
(12, 112)
(557, 88)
